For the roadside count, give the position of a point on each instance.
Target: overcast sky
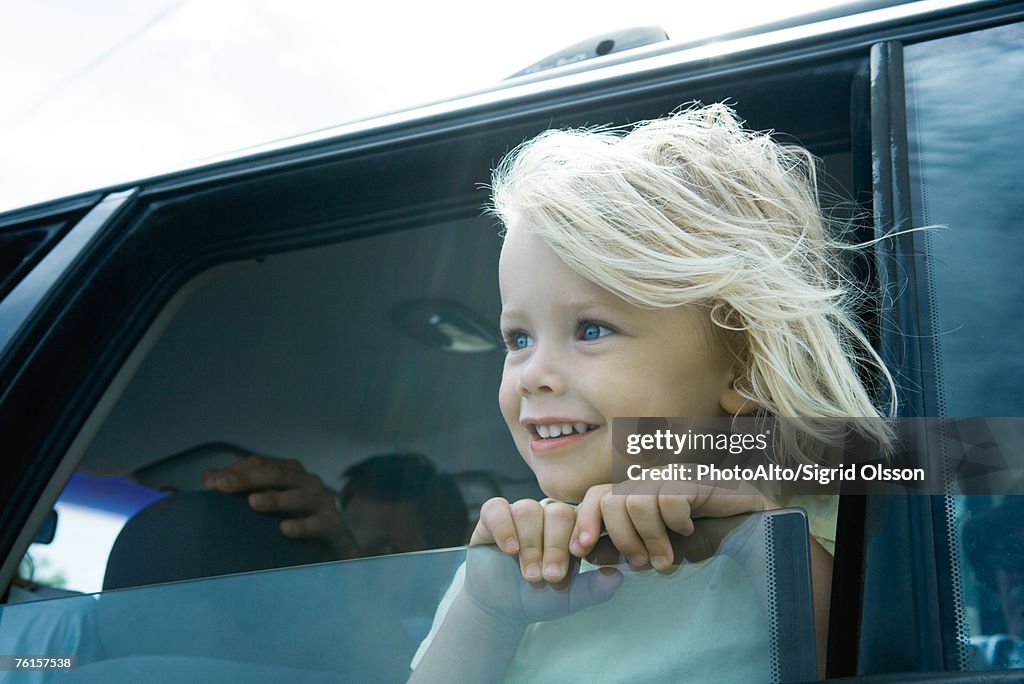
(105, 91)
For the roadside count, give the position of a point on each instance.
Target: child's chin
(562, 492)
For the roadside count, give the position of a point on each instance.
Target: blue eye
(517, 340)
(593, 331)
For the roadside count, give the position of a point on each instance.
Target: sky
(106, 91)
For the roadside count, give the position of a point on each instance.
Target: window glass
(965, 102)
(370, 364)
(363, 620)
(965, 99)
(90, 513)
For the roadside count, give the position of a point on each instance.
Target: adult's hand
(283, 486)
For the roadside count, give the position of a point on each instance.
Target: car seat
(201, 534)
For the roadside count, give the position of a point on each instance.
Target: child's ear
(734, 403)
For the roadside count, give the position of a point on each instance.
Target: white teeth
(552, 430)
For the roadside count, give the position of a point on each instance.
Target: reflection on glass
(993, 544)
(736, 606)
(362, 620)
(965, 102)
(355, 620)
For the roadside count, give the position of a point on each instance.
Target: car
(333, 296)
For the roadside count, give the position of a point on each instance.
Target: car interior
(307, 355)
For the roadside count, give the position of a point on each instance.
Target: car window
(965, 99)
(331, 351)
(89, 513)
(327, 356)
(363, 620)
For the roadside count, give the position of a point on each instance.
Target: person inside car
(389, 503)
(682, 268)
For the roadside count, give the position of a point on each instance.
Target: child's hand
(638, 523)
(538, 534)
(495, 586)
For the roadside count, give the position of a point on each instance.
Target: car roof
(833, 24)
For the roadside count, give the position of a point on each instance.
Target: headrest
(201, 534)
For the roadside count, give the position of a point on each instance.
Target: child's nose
(543, 372)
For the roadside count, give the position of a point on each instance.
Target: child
(682, 269)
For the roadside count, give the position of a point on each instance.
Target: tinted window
(362, 620)
(324, 355)
(965, 98)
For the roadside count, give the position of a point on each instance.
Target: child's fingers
(676, 512)
(496, 526)
(708, 501)
(528, 516)
(588, 521)
(559, 519)
(646, 517)
(621, 531)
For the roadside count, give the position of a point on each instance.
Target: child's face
(581, 356)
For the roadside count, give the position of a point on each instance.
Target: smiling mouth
(553, 436)
(556, 430)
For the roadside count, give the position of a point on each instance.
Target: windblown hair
(692, 209)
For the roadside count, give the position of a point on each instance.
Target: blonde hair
(694, 209)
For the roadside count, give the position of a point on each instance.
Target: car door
(947, 164)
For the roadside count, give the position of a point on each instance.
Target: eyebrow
(586, 306)
(579, 309)
(507, 314)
